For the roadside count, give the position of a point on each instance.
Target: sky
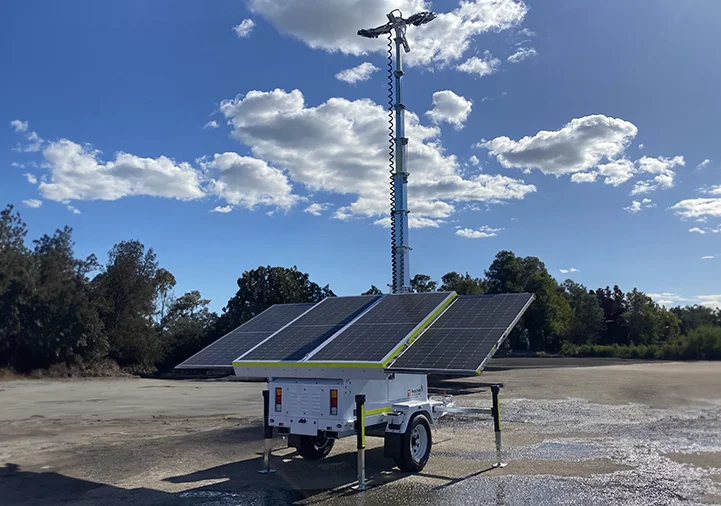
(232, 134)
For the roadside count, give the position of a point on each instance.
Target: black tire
(315, 448)
(414, 453)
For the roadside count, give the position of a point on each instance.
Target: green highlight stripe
(337, 365)
(431, 318)
(378, 411)
(362, 428)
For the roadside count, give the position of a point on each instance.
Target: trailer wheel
(315, 447)
(415, 445)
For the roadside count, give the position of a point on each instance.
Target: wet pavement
(664, 448)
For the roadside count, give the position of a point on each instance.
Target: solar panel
(308, 332)
(222, 352)
(466, 335)
(378, 332)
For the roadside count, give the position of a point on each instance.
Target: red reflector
(278, 399)
(334, 402)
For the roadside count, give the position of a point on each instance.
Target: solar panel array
(311, 330)
(371, 329)
(466, 334)
(381, 329)
(222, 352)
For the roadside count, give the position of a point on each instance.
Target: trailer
(359, 366)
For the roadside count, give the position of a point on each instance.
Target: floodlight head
(421, 18)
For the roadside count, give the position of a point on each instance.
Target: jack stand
(360, 410)
(267, 435)
(496, 411)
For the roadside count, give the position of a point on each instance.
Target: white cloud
(211, 124)
(641, 146)
(19, 126)
(616, 172)
(637, 206)
(316, 209)
(18, 165)
(481, 66)
(566, 271)
(473, 160)
(222, 210)
(76, 173)
(707, 257)
(697, 230)
(331, 25)
(703, 164)
(584, 177)
(340, 146)
(712, 301)
(73, 210)
(31, 178)
(360, 73)
(248, 182)
(711, 190)
(662, 167)
(526, 32)
(695, 208)
(34, 203)
(244, 29)
(580, 145)
(451, 108)
(522, 53)
(482, 233)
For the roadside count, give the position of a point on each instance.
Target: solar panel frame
(259, 327)
(445, 328)
(316, 322)
(374, 321)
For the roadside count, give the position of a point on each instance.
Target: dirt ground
(625, 433)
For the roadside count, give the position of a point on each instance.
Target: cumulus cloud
(663, 170)
(316, 209)
(34, 203)
(331, 25)
(522, 53)
(340, 146)
(244, 28)
(73, 209)
(211, 124)
(19, 126)
(249, 182)
(473, 160)
(707, 257)
(584, 177)
(566, 271)
(641, 146)
(703, 164)
(222, 209)
(482, 233)
(577, 147)
(77, 173)
(31, 178)
(481, 66)
(697, 230)
(360, 73)
(450, 108)
(638, 205)
(698, 208)
(616, 172)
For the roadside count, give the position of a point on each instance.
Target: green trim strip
(337, 365)
(378, 411)
(429, 319)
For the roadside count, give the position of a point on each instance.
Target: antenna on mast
(398, 142)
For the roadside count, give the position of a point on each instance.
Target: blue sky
(106, 108)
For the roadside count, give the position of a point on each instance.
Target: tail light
(334, 402)
(278, 399)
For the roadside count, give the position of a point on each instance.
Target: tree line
(58, 310)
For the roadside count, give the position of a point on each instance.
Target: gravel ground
(630, 433)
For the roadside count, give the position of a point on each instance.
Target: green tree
(373, 290)
(188, 323)
(423, 283)
(16, 287)
(693, 317)
(614, 305)
(462, 284)
(643, 317)
(164, 283)
(587, 322)
(126, 297)
(260, 288)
